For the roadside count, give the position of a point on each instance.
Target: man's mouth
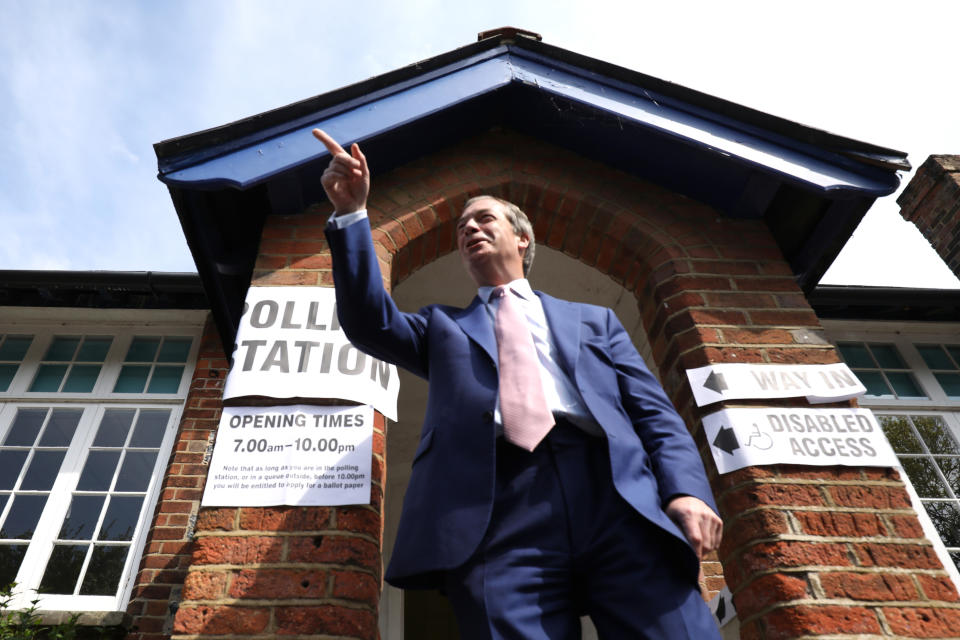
(474, 242)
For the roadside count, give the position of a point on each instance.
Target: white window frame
(123, 326)
(904, 335)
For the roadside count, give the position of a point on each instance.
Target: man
(582, 494)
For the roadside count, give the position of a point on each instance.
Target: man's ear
(523, 242)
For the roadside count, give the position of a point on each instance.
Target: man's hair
(520, 223)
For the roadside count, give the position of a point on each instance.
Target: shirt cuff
(344, 220)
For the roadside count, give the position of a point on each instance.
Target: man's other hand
(702, 527)
(347, 178)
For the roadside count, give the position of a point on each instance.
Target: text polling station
(290, 345)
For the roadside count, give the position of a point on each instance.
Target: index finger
(328, 142)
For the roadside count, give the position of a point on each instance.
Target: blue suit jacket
(450, 495)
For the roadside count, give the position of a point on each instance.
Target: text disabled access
(823, 437)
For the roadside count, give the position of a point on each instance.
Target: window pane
(165, 379)
(934, 433)
(25, 428)
(11, 555)
(24, 514)
(7, 372)
(48, 377)
(142, 350)
(82, 378)
(950, 383)
(150, 427)
(11, 462)
(132, 379)
(103, 574)
(136, 470)
(61, 427)
(888, 356)
(935, 356)
(174, 350)
(856, 355)
(121, 519)
(955, 354)
(114, 427)
(94, 349)
(62, 349)
(904, 385)
(900, 435)
(82, 517)
(63, 569)
(951, 471)
(946, 518)
(924, 477)
(14, 348)
(874, 382)
(42, 471)
(98, 471)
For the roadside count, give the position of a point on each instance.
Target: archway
(424, 615)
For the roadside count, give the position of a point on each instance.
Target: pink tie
(523, 406)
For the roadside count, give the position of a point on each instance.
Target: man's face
(490, 249)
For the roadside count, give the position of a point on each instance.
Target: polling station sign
(818, 383)
(290, 345)
(775, 435)
(295, 455)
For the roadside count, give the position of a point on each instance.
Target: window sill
(120, 620)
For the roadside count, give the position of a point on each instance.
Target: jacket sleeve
(673, 454)
(367, 313)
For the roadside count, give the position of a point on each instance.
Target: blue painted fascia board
(284, 147)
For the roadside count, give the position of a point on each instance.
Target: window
(87, 421)
(12, 350)
(912, 375)
(930, 456)
(944, 362)
(881, 370)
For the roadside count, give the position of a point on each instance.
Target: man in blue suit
(607, 516)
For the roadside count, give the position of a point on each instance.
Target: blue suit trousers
(562, 543)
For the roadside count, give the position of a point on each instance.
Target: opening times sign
(296, 455)
(290, 345)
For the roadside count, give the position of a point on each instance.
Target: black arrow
(726, 440)
(721, 609)
(715, 382)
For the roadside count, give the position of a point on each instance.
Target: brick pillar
(932, 202)
(163, 568)
(808, 551)
(274, 571)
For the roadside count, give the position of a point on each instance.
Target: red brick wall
(809, 551)
(932, 202)
(166, 557)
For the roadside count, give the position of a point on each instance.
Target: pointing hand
(347, 178)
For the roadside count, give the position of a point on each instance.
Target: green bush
(25, 624)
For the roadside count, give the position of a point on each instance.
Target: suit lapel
(563, 319)
(475, 322)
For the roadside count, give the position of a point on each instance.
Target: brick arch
(640, 235)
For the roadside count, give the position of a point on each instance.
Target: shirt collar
(521, 287)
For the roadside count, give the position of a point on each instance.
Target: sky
(87, 87)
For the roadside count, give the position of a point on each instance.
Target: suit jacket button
(488, 416)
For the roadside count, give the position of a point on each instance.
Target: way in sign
(819, 383)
